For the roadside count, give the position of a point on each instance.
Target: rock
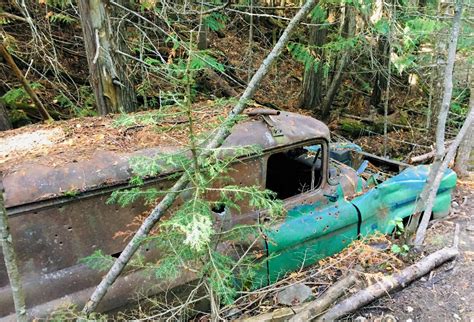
(360, 319)
(455, 204)
(457, 317)
(294, 294)
(409, 320)
(470, 228)
(409, 309)
(389, 318)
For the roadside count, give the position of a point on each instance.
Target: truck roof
(54, 174)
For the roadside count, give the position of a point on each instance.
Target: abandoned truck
(328, 204)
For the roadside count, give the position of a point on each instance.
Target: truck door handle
(332, 198)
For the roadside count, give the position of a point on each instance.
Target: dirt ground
(446, 294)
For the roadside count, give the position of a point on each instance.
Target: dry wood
(109, 77)
(222, 133)
(313, 309)
(26, 85)
(426, 156)
(8, 15)
(463, 154)
(377, 120)
(389, 283)
(9, 257)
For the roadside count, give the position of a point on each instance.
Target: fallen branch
(313, 309)
(222, 133)
(426, 156)
(8, 15)
(389, 283)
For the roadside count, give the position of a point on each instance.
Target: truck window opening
(290, 172)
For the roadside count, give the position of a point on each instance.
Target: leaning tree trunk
(463, 155)
(313, 76)
(113, 89)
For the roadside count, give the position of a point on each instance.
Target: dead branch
(426, 156)
(389, 283)
(222, 133)
(12, 16)
(313, 309)
(26, 85)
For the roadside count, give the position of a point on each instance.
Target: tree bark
(5, 123)
(222, 133)
(389, 283)
(26, 85)
(347, 32)
(381, 80)
(9, 257)
(313, 309)
(313, 76)
(113, 89)
(463, 155)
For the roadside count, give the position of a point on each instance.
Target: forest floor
(447, 293)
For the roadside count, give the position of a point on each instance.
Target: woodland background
(349, 63)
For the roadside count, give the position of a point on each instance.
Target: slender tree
(9, 257)
(441, 160)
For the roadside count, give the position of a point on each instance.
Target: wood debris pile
(371, 257)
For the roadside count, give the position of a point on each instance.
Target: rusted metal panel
(31, 182)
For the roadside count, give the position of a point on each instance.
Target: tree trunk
(348, 30)
(5, 123)
(216, 141)
(380, 83)
(313, 76)
(463, 155)
(113, 89)
(9, 257)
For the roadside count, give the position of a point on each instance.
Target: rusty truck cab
(59, 214)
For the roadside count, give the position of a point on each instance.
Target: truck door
(319, 221)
